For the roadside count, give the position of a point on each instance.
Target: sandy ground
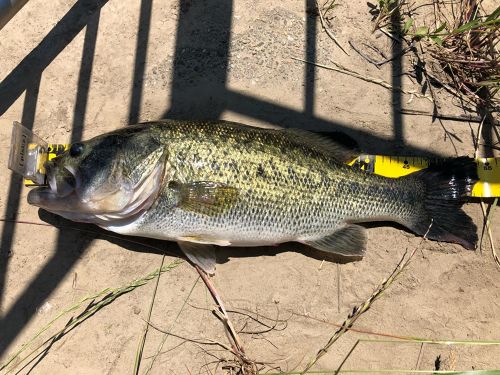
(73, 70)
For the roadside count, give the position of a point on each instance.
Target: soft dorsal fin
(338, 145)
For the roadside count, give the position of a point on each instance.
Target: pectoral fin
(209, 198)
(349, 240)
(200, 254)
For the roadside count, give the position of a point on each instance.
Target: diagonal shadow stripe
(42, 55)
(8, 9)
(14, 195)
(70, 244)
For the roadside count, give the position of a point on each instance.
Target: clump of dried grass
(458, 44)
(463, 50)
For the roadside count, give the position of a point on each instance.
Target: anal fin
(350, 240)
(202, 255)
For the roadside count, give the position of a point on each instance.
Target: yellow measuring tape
(53, 150)
(488, 169)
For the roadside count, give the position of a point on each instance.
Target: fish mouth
(60, 192)
(68, 207)
(45, 197)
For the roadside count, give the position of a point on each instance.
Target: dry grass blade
(167, 333)
(234, 368)
(463, 118)
(359, 310)
(394, 371)
(327, 30)
(365, 306)
(106, 296)
(380, 82)
(204, 341)
(487, 219)
(397, 338)
(468, 54)
(247, 366)
(142, 341)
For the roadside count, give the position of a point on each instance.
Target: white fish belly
(179, 226)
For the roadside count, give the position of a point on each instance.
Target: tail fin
(445, 187)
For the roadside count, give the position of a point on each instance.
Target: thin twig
(347, 356)
(230, 331)
(479, 131)
(247, 313)
(440, 116)
(487, 217)
(352, 73)
(197, 341)
(378, 64)
(387, 33)
(164, 339)
(339, 298)
(25, 222)
(94, 232)
(142, 341)
(419, 358)
(327, 30)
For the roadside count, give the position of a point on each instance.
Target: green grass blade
(392, 371)
(437, 342)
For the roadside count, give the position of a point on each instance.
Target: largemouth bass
(228, 184)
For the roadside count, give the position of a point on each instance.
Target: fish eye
(76, 149)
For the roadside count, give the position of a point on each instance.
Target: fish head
(107, 178)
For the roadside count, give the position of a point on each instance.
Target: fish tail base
(441, 217)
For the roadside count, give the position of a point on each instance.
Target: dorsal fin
(338, 145)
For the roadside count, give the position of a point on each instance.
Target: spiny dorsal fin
(338, 145)
(349, 240)
(205, 197)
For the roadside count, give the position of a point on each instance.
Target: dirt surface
(73, 70)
